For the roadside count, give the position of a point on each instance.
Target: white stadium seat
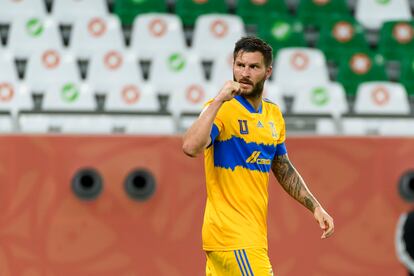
(96, 33)
(50, 66)
(381, 98)
(215, 33)
(113, 66)
(69, 96)
(7, 67)
(327, 98)
(29, 34)
(272, 92)
(14, 97)
(222, 68)
(153, 33)
(296, 67)
(373, 13)
(191, 97)
(172, 68)
(11, 9)
(131, 97)
(70, 11)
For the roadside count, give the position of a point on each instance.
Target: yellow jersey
(237, 165)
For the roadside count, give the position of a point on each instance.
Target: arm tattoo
(292, 182)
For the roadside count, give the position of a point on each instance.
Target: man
(242, 136)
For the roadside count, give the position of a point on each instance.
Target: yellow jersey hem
(231, 248)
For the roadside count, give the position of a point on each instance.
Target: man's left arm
(295, 186)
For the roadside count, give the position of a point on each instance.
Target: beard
(257, 89)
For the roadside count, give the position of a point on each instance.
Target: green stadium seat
(396, 40)
(251, 11)
(128, 9)
(189, 10)
(281, 31)
(341, 35)
(362, 66)
(316, 13)
(407, 74)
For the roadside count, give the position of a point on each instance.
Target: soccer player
(242, 136)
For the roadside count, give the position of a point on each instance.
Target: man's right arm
(197, 137)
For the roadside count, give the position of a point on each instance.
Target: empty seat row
(325, 98)
(152, 33)
(293, 69)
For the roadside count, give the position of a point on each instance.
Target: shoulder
(272, 106)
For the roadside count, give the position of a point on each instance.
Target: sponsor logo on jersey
(254, 159)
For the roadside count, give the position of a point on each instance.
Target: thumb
(322, 223)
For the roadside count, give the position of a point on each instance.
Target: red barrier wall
(46, 230)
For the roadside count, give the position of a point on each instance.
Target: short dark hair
(254, 44)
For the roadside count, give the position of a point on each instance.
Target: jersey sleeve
(281, 147)
(217, 125)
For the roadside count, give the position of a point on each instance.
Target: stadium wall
(46, 230)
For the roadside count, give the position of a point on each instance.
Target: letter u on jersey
(243, 127)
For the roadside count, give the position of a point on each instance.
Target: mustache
(244, 80)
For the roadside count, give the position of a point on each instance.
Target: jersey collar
(247, 105)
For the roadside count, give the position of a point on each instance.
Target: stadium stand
(168, 57)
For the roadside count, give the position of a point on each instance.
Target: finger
(322, 224)
(329, 231)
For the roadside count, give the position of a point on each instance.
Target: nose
(245, 72)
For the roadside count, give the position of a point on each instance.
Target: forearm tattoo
(292, 182)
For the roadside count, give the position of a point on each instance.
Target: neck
(255, 101)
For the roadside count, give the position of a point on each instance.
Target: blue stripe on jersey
(234, 152)
(247, 105)
(248, 263)
(214, 133)
(238, 262)
(281, 149)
